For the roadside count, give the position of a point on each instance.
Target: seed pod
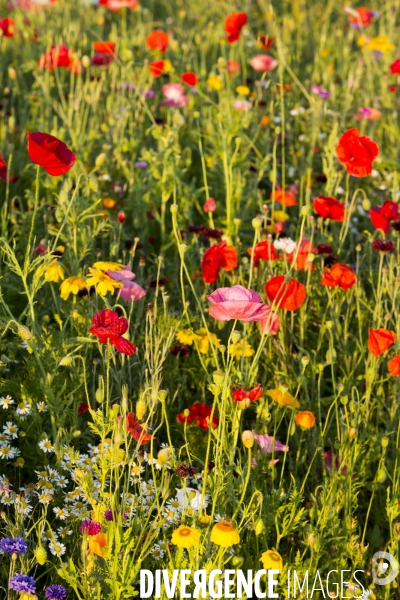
(40, 555)
(248, 439)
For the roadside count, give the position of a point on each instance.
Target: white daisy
(6, 402)
(10, 429)
(57, 548)
(46, 445)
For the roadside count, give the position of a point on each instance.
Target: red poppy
(210, 205)
(284, 198)
(329, 207)
(157, 40)
(394, 365)
(189, 78)
(7, 26)
(108, 326)
(104, 47)
(239, 394)
(339, 275)
(363, 18)
(84, 408)
(217, 257)
(254, 394)
(395, 67)
(233, 25)
(382, 216)
(285, 294)
(4, 175)
(50, 153)
(299, 259)
(137, 431)
(266, 42)
(117, 4)
(156, 67)
(263, 251)
(380, 340)
(200, 413)
(56, 56)
(357, 152)
(232, 67)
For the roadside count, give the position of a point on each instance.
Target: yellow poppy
(282, 397)
(214, 83)
(243, 90)
(305, 419)
(108, 265)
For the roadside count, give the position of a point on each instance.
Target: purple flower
(141, 164)
(55, 592)
(108, 515)
(319, 91)
(268, 444)
(14, 545)
(22, 583)
(148, 94)
(92, 527)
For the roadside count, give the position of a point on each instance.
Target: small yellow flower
(272, 560)
(185, 336)
(167, 67)
(236, 350)
(72, 285)
(210, 161)
(305, 419)
(243, 90)
(224, 534)
(280, 215)
(185, 537)
(282, 397)
(204, 519)
(52, 271)
(108, 265)
(381, 43)
(214, 83)
(102, 282)
(203, 340)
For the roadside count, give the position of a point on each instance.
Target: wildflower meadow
(199, 292)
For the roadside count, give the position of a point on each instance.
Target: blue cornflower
(14, 545)
(55, 592)
(22, 583)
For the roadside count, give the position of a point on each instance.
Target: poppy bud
(218, 377)
(162, 395)
(259, 527)
(382, 475)
(235, 336)
(311, 539)
(247, 439)
(100, 159)
(344, 399)
(24, 333)
(164, 455)
(222, 348)
(304, 211)
(99, 395)
(186, 413)
(174, 209)
(12, 73)
(237, 561)
(352, 433)
(85, 61)
(121, 216)
(366, 204)
(385, 441)
(40, 555)
(182, 248)
(256, 223)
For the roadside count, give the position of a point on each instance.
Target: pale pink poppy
(239, 303)
(175, 95)
(242, 105)
(210, 205)
(130, 291)
(269, 325)
(263, 62)
(268, 443)
(369, 114)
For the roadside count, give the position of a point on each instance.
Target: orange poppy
(98, 544)
(104, 47)
(394, 365)
(380, 340)
(284, 198)
(285, 294)
(157, 40)
(339, 275)
(156, 67)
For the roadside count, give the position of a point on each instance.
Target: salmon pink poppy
(329, 207)
(4, 174)
(210, 205)
(289, 294)
(117, 4)
(157, 40)
(7, 26)
(380, 340)
(156, 67)
(263, 63)
(270, 325)
(395, 67)
(357, 152)
(339, 276)
(217, 257)
(232, 67)
(394, 365)
(50, 153)
(137, 431)
(233, 26)
(190, 78)
(109, 327)
(104, 47)
(263, 251)
(200, 413)
(239, 303)
(382, 216)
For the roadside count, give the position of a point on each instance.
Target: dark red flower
(84, 408)
(382, 216)
(108, 326)
(263, 251)
(382, 246)
(285, 294)
(50, 153)
(217, 257)
(322, 249)
(7, 26)
(329, 207)
(4, 175)
(180, 350)
(266, 42)
(189, 78)
(357, 152)
(200, 413)
(137, 431)
(233, 25)
(102, 60)
(157, 40)
(395, 67)
(339, 276)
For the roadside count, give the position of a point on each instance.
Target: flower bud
(305, 360)
(247, 439)
(67, 361)
(352, 433)
(85, 63)
(366, 204)
(381, 475)
(121, 216)
(182, 248)
(311, 540)
(385, 441)
(24, 333)
(12, 73)
(164, 455)
(40, 555)
(259, 527)
(218, 377)
(100, 159)
(237, 561)
(235, 336)
(174, 209)
(186, 413)
(162, 395)
(304, 211)
(141, 408)
(256, 223)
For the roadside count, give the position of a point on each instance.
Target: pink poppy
(263, 62)
(130, 291)
(268, 444)
(210, 205)
(369, 114)
(175, 95)
(239, 303)
(269, 325)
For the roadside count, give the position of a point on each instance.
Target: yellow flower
(210, 161)
(167, 67)
(236, 350)
(214, 83)
(52, 271)
(280, 215)
(102, 282)
(282, 397)
(305, 419)
(185, 336)
(381, 43)
(203, 340)
(185, 537)
(26, 596)
(243, 90)
(204, 520)
(272, 560)
(72, 285)
(107, 265)
(362, 41)
(224, 534)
